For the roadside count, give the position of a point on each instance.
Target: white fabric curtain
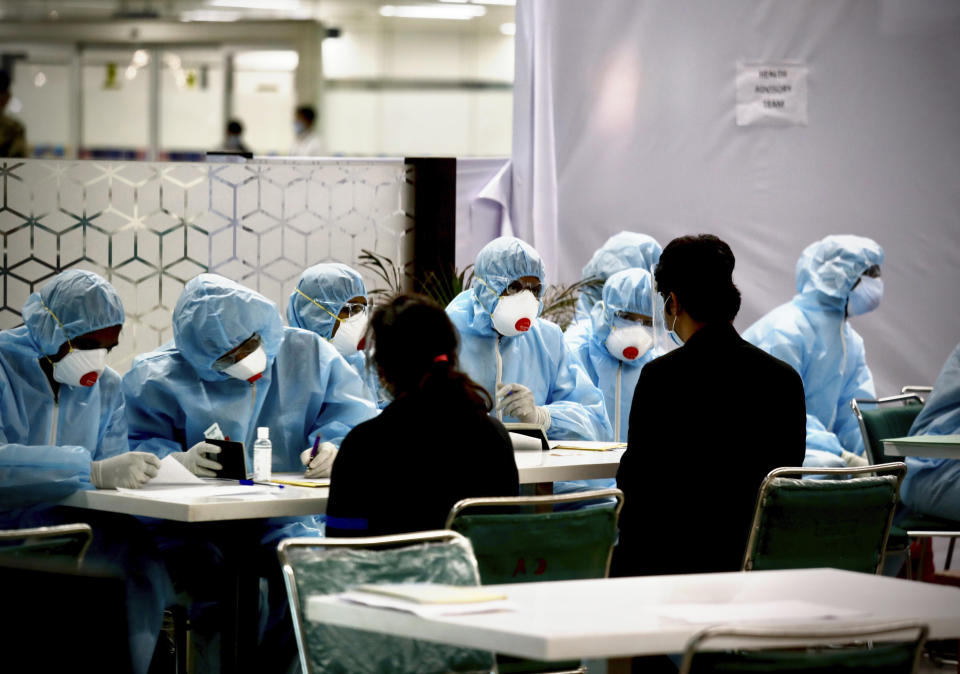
(625, 119)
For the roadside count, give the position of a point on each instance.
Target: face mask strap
(69, 343)
(335, 317)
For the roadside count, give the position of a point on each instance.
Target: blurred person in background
(13, 135)
(233, 139)
(306, 142)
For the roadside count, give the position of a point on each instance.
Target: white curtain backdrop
(625, 119)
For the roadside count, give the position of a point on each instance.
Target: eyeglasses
(642, 319)
(519, 286)
(238, 353)
(351, 309)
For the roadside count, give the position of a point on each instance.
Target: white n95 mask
(629, 343)
(250, 368)
(349, 334)
(515, 314)
(80, 367)
(866, 296)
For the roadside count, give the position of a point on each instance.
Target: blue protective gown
(629, 290)
(811, 333)
(932, 486)
(315, 303)
(625, 250)
(537, 359)
(173, 394)
(47, 444)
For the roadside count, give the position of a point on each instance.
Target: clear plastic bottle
(262, 455)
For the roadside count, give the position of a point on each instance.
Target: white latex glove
(194, 460)
(853, 460)
(130, 470)
(322, 463)
(516, 400)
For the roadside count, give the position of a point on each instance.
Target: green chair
(829, 649)
(843, 524)
(332, 565)
(522, 539)
(63, 541)
(894, 421)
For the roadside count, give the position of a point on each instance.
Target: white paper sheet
(777, 610)
(424, 610)
(203, 491)
(172, 472)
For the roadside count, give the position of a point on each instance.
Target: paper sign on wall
(771, 93)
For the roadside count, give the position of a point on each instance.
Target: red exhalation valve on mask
(255, 377)
(89, 379)
(522, 325)
(362, 344)
(631, 352)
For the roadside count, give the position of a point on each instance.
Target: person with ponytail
(433, 445)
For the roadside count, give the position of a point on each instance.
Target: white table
(618, 617)
(559, 465)
(916, 446)
(289, 501)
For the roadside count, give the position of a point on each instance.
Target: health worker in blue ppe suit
(932, 486)
(625, 250)
(619, 343)
(331, 300)
(518, 357)
(63, 429)
(837, 278)
(232, 362)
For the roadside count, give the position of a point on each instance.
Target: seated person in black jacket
(432, 446)
(708, 422)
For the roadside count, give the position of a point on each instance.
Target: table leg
(240, 601)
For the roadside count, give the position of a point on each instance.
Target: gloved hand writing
(322, 463)
(130, 470)
(195, 461)
(516, 400)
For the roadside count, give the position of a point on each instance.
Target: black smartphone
(232, 458)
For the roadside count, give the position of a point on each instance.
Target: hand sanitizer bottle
(262, 455)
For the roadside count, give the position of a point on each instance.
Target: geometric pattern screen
(149, 227)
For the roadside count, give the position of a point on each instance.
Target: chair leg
(180, 637)
(953, 542)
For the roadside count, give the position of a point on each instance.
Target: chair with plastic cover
(886, 421)
(62, 541)
(888, 649)
(522, 539)
(843, 524)
(314, 566)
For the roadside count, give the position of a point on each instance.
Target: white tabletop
(940, 450)
(286, 502)
(619, 617)
(566, 464)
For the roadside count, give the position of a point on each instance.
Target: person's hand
(516, 400)
(853, 460)
(129, 470)
(322, 463)
(194, 460)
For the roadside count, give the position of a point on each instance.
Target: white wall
(403, 119)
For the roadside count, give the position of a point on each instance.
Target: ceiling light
(279, 5)
(141, 58)
(172, 61)
(209, 15)
(508, 28)
(130, 72)
(459, 12)
(39, 79)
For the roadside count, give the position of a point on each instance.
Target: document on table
(589, 445)
(428, 599)
(172, 472)
(762, 611)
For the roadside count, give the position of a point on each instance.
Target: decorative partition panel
(150, 227)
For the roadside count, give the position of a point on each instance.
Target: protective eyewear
(351, 309)
(237, 354)
(519, 286)
(633, 317)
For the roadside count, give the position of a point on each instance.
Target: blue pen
(250, 483)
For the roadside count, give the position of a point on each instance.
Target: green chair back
(843, 524)
(328, 566)
(901, 657)
(526, 546)
(58, 542)
(891, 421)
